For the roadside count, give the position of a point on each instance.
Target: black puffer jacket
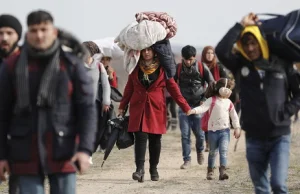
(165, 57)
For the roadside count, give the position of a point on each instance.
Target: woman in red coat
(144, 92)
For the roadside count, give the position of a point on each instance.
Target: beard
(5, 53)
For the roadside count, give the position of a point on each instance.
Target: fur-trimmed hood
(70, 43)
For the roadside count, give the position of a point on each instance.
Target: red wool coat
(148, 106)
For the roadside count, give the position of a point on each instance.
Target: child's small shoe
(223, 174)
(210, 173)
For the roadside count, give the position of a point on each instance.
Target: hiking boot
(223, 174)
(138, 175)
(207, 148)
(186, 165)
(200, 158)
(210, 173)
(154, 174)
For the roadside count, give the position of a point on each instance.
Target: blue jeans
(59, 183)
(261, 154)
(218, 141)
(186, 124)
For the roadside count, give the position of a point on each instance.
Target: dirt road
(115, 176)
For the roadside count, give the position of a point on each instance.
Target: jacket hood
(71, 44)
(261, 41)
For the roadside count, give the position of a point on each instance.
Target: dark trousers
(172, 107)
(141, 146)
(206, 136)
(13, 185)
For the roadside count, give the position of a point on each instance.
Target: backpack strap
(179, 67)
(230, 106)
(200, 68)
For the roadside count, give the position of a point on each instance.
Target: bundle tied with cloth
(151, 29)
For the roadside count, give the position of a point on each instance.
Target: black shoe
(154, 174)
(138, 175)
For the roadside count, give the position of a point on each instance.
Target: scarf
(215, 72)
(148, 69)
(47, 90)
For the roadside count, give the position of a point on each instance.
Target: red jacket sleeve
(128, 91)
(174, 91)
(114, 82)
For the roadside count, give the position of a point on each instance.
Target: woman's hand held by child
(237, 133)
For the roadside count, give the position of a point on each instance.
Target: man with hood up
(270, 95)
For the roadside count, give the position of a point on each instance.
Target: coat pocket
(19, 138)
(64, 139)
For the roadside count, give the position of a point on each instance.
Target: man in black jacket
(47, 110)
(10, 34)
(266, 84)
(191, 76)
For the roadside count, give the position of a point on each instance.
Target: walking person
(10, 34)
(270, 95)
(191, 76)
(220, 109)
(217, 70)
(106, 61)
(47, 111)
(144, 92)
(97, 72)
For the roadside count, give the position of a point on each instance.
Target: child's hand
(237, 133)
(190, 112)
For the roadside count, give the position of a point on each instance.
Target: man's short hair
(38, 17)
(188, 52)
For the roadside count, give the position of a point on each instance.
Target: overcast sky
(200, 22)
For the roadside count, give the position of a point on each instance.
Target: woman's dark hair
(188, 51)
(213, 88)
(38, 17)
(91, 47)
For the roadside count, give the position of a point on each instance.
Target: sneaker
(186, 165)
(91, 160)
(200, 158)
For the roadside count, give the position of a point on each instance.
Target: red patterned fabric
(166, 21)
